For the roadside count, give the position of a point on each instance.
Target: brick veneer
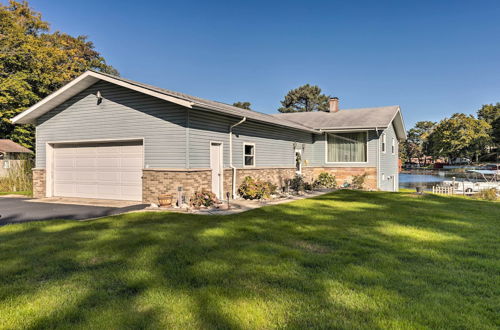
(274, 175)
(343, 174)
(156, 182)
(39, 183)
(279, 175)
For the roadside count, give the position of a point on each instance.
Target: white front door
(216, 165)
(98, 170)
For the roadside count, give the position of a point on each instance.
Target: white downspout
(378, 158)
(233, 185)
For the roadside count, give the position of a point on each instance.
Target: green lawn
(343, 260)
(24, 193)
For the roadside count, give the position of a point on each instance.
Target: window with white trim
(249, 154)
(347, 147)
(393, 146)
(384, 138)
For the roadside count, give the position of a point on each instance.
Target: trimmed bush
(325, 180)
(203, 198)
(256, 189)
(298, 184)
(358, 181)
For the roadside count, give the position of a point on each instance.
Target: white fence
(443, 190)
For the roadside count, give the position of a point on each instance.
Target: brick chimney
(334, 104)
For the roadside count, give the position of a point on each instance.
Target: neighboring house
(102, 136)
(11, 155)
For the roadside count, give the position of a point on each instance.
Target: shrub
(325, 180)
(203, 198)
(256, 189)
(358, 181)
(308, 186)
(19, 177)
(487, 194)
(298, 184)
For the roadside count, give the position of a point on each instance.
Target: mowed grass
(348, 259)
(24, 193)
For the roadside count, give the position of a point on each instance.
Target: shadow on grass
(344, 260)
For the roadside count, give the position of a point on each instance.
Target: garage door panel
(108, 162)
(131, 163)
(98, 170)
(85, 176)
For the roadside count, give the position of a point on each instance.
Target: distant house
(11, 155)
(104, 136)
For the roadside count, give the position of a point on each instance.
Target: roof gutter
(233, 184)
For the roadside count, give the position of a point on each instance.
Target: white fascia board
(76, 86)
(399, 125)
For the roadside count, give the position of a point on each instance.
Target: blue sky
(433, 58)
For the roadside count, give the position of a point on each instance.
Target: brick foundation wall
(343, 174)
(39, 183)
(156, 182)
(274, 175)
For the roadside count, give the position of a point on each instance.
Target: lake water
(426, 179)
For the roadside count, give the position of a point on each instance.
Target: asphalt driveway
(14, 210)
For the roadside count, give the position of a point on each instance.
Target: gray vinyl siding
(274, 146)
(388, 162)
(318, 157)
(123, 114)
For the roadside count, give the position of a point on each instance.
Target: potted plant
(165, 200)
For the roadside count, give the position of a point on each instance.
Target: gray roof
(362, 118)
(11, 146)
(344, 119)
(219, 106)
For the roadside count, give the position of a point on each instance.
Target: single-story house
(103, 136)
(12, 155)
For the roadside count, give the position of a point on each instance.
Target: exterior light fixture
(99, 97)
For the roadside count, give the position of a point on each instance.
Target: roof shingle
(11, 146)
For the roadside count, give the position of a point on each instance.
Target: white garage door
(99, 170)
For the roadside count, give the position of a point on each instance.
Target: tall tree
(496, 131)
(303, 99)
(243, 105)
(460, 135)
(489, 112)
(34, 63)
(416, 143)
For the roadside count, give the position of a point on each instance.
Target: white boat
(467, 186)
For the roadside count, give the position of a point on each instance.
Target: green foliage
(489, 112)
(460, 135)
(297, 183)
(495, 132)
(487, 194)
(256, 189)
(19, 177)
(243, 105)
(303, 99)
(358, 181)
(203, 198)
(34, 63)
(416, 145)
(325, 180)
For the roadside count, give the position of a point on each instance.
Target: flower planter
(165, 200)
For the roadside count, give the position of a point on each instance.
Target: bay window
(347, 147)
